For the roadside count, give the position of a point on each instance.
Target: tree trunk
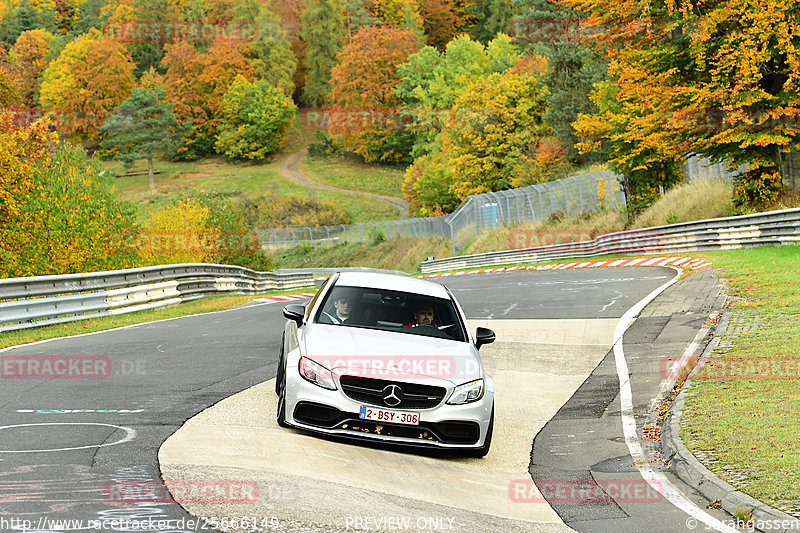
(152, 175)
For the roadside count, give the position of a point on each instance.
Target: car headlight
(316, 373)
(467, 393)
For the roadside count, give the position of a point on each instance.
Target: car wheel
(280, 371)
(487, 443)
(280, 390)
(280, 414)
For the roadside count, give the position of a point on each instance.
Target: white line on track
(655, 479)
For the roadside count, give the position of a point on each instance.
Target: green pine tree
(23, 18)
(552, 30)
(142, 127)
(274, 60)
(493, 17)
(324, 31)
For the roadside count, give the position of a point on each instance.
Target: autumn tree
(255, 120)
(324, 33)
(439, 19)
(197, 82)
(721, 76)
(428, 185)
(81, 88)
(499, 122)
(9, 90)
(58, 213)
(143, 127)
(29, 56)
(430, 83)
(273, 59)
(554, 31)
(363, 88)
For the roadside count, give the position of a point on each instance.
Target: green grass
(359, 208)
(697, 200)
(203, 305)
(215, 175)
(212, 175)
(742, 408)
(249, 180)
(347, 173)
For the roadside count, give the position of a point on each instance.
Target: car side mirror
(295, 312)
(483, 336)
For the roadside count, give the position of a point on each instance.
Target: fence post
(452, 239)
(310, 236)
(344, 229)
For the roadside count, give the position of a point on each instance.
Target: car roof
(375, 280)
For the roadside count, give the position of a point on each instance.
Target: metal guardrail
(760, 229)
(42, 300)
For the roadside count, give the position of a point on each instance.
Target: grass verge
(203, 305)
(395, 254)
(353, 175)
(741, 409)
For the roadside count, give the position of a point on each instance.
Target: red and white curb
(683, 262)
(285, 297)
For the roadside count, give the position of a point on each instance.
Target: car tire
(487, 443)
(280, 390)
(280, 415)
(280, 370)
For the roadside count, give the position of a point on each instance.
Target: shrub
(255, 120)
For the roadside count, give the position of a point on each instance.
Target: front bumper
(331, 412)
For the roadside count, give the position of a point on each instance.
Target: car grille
(448, 432)
(371, 391)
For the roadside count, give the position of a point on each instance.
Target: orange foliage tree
(29, 56)
(197, 82)
(363, 93)
(83, 86)
(718, 77)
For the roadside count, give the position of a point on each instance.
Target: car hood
(391, 355)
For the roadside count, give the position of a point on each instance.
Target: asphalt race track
(71, 448)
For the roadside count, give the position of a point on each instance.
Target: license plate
(392, 417)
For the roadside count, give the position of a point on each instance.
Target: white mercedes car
(386, 358)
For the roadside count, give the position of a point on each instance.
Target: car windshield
(389, 310)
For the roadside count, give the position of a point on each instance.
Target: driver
(423, 315)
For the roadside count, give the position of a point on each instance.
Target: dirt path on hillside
(290, 168)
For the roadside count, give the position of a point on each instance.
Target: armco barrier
(760, 229)
(42, 300)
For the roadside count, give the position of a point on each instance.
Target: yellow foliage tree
(58, 213)
(178, 234)
(90, 78)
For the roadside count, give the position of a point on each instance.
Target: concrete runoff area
(317, 484)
